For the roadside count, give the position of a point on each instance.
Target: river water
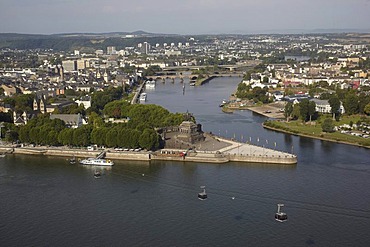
(45, 201)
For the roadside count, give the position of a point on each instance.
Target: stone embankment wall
(142, 156)
(287, 159)
(205, 157)
(79, 153)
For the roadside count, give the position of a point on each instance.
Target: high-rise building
(81, 64)
(69, 65)
(145, 48)
(111, 50)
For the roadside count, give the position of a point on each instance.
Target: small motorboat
(202, 195)
(72, 161)
(97, 174)
(281, 216)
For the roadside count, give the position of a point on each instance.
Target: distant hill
(86, 42)
(89, 42)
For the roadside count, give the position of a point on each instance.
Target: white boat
(143, 97)
(150, 84)
(97, 162)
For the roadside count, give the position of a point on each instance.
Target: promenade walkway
(245, 149)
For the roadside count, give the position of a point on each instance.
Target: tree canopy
(139, 131)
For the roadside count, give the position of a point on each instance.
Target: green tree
(24, 135)
(304, 109)
(288, 110)
(334, 103)
(65, 137)
(6, 117)
(98, 136)
(296, 111)
(247, 76)
(363, 100)
(11, 136)
(351, 104)
(367, 109)
(327, 125)
(81, 136)
(151, 70)
(24, 102)
(100, 99)
(111, 138)
(116, 108)
(149, 139)
(311, 109)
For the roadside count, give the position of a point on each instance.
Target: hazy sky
(181, 16)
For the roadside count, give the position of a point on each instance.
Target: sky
(182, 16)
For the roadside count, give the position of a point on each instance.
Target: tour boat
(97, 162)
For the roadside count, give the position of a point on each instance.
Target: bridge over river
(190, 76)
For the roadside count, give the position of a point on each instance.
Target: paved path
(238, 148)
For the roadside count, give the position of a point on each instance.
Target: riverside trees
(139, 131)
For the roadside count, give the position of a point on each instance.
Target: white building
(323, 106)
(86, 101)
(71, 120)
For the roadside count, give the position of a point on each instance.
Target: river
(48, 202)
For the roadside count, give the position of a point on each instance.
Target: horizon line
(236, 32)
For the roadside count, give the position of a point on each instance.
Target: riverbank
(275, 111)
(200, 82)
(214, 150)
(323, 138)
(272, 110)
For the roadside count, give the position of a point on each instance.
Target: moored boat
(143, 97)
(97, 162)
(150, 84)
